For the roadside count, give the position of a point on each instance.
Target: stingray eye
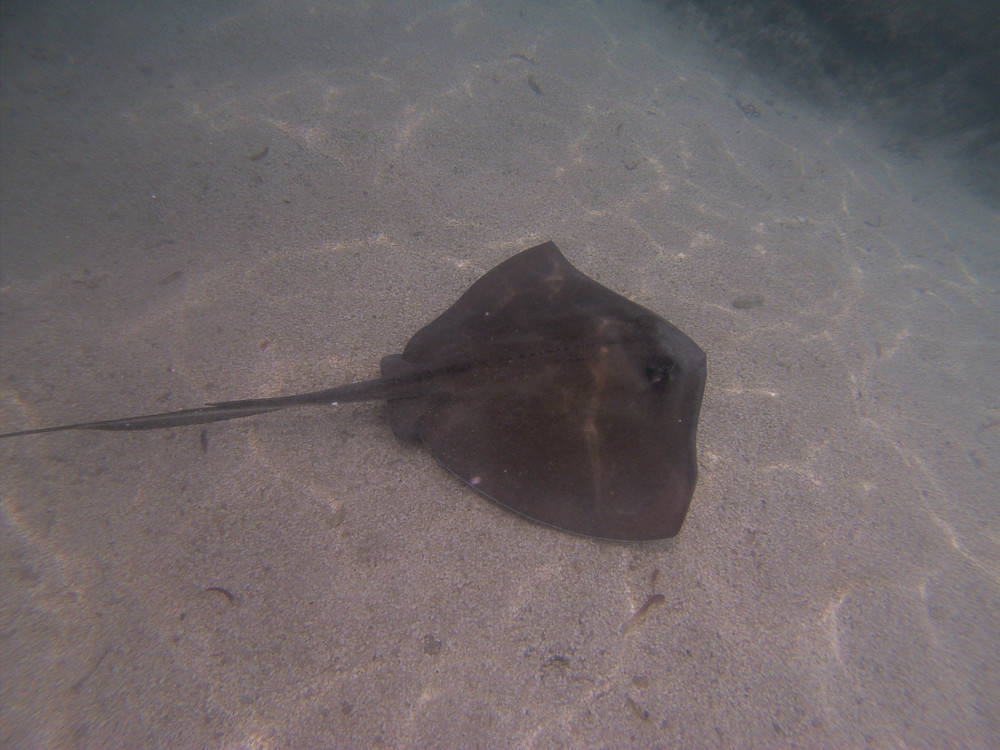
(658, 371)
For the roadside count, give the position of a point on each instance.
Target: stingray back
(559, 399)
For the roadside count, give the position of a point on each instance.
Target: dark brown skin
(540, 388)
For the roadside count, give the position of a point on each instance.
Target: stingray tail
(370, 390)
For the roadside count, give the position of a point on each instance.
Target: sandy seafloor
(308, 581)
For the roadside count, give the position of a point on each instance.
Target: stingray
(540, 388)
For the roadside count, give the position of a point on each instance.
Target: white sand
(838, 578)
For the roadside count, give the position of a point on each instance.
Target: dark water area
(930, 70)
